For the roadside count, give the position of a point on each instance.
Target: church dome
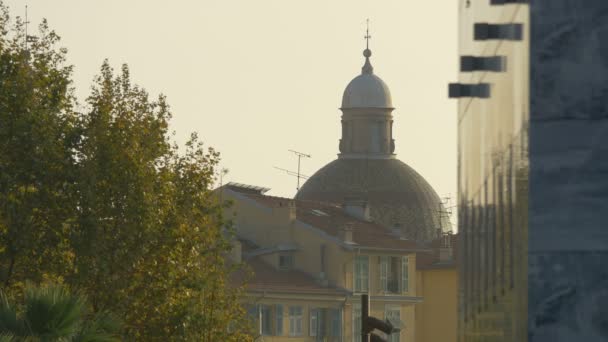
(367, 90)
(397, 195)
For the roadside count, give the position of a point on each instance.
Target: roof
(331, 219)
(267, 278)
(430, 260)
(247, 188)
(395, 192)
(367, 90)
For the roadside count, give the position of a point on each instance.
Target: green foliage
(102, 201)
(52, 313)
(36, 164)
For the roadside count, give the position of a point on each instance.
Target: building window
(295, 321)
(356, 322)
(390, 268)
(393, 314)
(376, 136)
(361, 273)
(325, 323)
(286, 261)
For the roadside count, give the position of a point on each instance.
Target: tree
(52, 313)
(36, 122)
(102, 200)
(150, 238)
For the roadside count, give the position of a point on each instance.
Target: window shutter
(404, 274)
(361, 273)
(483, 63)
(481, 90)
(278, 312)
(365, 277)
(384, 273)
(314, 322)
(299, 321)
(503, 2)
(336, 322)
(485, 31)
(357, 322)
(292, 321)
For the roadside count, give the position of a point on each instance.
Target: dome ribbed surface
(396, 194)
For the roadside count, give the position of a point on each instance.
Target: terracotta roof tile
(264, 277)
(365, 234)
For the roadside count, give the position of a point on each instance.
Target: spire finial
(367, 36)
(367, 67)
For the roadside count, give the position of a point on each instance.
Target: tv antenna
(300, 155)
(223, 171)
(26, 22)
(27, 38)
(291, 173)
(445, 214)
(297, 174)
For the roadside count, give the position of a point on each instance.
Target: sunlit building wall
(493, 171)
(533, 170)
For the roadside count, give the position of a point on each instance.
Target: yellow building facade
(365, 223)
(311, 261)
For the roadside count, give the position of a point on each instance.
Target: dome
(367, 91)
(396, 193)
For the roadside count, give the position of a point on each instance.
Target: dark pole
(364, 315)
(298, 187)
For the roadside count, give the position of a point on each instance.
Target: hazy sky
(258, 77)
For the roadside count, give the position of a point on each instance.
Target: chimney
(346, 234)
(396, 229)
(357, 208)
(236, 252)
(287, 209)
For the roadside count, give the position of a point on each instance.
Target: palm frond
(51, 312)
(9, 322)
(102, 327)
(6, 337)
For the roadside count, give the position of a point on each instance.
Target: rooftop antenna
(27, 39)
(300, 155)
(224, 171)
(445, 213)
(291, 173)
(26, 23)
(367, 36)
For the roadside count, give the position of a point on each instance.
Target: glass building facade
(493, 177)
(533, 170)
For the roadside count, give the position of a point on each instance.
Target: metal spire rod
(367, 36)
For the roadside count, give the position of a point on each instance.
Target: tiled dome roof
(395, 192)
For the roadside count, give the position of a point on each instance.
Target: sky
(258, 78)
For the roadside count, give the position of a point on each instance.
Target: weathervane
(367, 36)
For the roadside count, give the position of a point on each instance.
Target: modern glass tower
(533, 170)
